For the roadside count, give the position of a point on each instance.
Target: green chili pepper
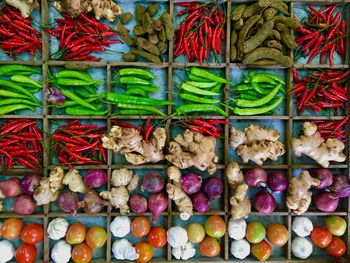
(11, 94)
(192, 89)
(71, 103)
(252, 93)
(67, 93)
(18, 70)
(18, 101)
(205, 74)
(259, 102)
(268, 78)
(248, 96)
(194, 98)
(16, 87)
(80, 111)
(24, 79)
(145, 88)
(136, 92)
(135, 81)
(196, 78)
(86, 95)
(202, 85)
(14, 107)
(90, 89)
(216, 88)
(141, 73)
(75, 82)
(74, 74)
(188, 108)
(256, 111)
(256, 86)
(243, 87)
(113, 97)
(141, 107)
(133, 112)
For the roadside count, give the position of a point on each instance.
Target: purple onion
(324, 175)
(95, 178)
(264, 202)
(200, 202)
(255, 177)
(212, 187)
(11, 187)
(54, 96)
(24, 205)
(92, 203)
(277, 182)
(68, 202)
(157, 203)
(326, 201)
(138, 203)
(341, 185)
(191, 183)
(29, 183)
(152, 183)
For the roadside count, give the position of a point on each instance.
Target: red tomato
(336, 248)
(11, 229)
(140, 226)
(262, 250)
(157, 237)
(145, 252)
(32, 233)
(321, 237)
(209, 247)
(96, 237)
(81, 253)
(26, 253)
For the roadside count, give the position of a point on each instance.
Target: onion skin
(152, 183)
(138, 203)
(324, 175)
(92, 203)
(212, 187)
(200, 202)
(29, 183)
(11, 187)
(157, 203)
(24, 205)
(264, 202)
(277, 182)
(326, 201)
(255, 177)
(191, 183)
(95, 178)
(68, 202)
(341, 185)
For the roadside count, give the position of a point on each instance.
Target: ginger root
(174, 174)
(73, 7)
(182, 201)
(56, 178)
(134, 182)
(240, 203)
(299, 196)
(24, 6)
(128, 141)
(234, 174)
(314, 146)
(121, 177)
(193, 149)
(75, 182)
(105, 8)
(1, 206)
(118, 197)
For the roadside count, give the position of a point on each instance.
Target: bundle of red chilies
(16, 33)
(80, 36)
(322, 34)
(21, 143)
(333, 129)
(201, 32)
(209, 127)
(80, 144)
(320, 90)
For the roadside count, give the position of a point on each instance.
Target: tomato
(96, 237)
(255, 232)
(26, 253)
(336, 225)
(145, 252)
(140, 226)
(209, 247)
(81, 253)
(195, 232)
(336, 248)
(215, 226)
(32, 233)
(262, 250)
(321, 237)
(277, 234)
(11, 229)
(76, 233)
(157, 237)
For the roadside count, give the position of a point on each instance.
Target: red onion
(264, 202)
(24, 205)
(341, 185)
(138, 203)
(212, 187)
(324, 175)
(95, 178)
(29, 183)
(54, 96)
(200, 202)
(92, 203)
(191, 183)
(68, 202)
(326, 201)
(255, 177)
(152, 183)
(157, 203)
(11, 187)
(277, 181)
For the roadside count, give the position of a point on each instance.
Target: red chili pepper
(123, 124)
(27, 164)
(84, 148)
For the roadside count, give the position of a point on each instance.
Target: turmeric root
(240, 203)
(314, 146)
(193, 149)
(174, 174)
(299, 196)
(24, 6)
(234, 174)
(128, 141)
(118, 197)
(182, 201)
(75, 182)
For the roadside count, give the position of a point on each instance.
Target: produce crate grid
(287, 118)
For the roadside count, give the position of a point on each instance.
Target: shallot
(138, 203)
(264, 202)
(68, 202)
(255, 177)
(157, 203)
(191, 183)
(11, 187)
(324, 175)
(326, 201)
(92, 202)
(277, 182)
(212, 187)
(341, 185)
(200, 202)
(152, 183)
(29, 183)
(95, 178)
(24, 205)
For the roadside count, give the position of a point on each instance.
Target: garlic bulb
(57, 228)
(61, 252)
(236, 228)
(120, 226)
(7, 251)
(177, 236)
(240, 248)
